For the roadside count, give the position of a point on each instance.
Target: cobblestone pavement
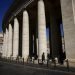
(16, 69)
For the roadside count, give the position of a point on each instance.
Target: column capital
(40, 0)
(15, 18)
(25, 12)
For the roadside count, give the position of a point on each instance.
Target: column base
(71, 62)
(25, 59)
(14, 58)
(42, 62)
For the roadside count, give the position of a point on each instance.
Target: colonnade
(56, 13)
(11, 35)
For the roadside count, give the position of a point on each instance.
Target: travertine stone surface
(10, 41)
(73, 7)
(16, 38)
(4, 46)
(37, 45)
(25, 36)
(69, 28)
(6, 43)
(42, 41)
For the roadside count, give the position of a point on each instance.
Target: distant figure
(43, 57)
(28, 58)
(48, 56)
(64, 55)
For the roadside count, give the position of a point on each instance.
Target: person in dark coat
(43, 57)
(48, 56)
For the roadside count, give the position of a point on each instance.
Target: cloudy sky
(4, 5)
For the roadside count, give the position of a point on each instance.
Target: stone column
(73, 7)
(25, 36)
(4, 46)
(37, 45)
(42, 30)
(6, 43)
(33, 45)
(69, 28)
(16, 38)
(10, 41)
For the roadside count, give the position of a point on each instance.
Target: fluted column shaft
(16, 38)
(4, 46)
(42, 30)
(68, 17)
(10, 41)
(25, 36)
(6, 43)
(37, 45)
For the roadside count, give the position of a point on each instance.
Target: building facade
(25, 25)
(1, 43)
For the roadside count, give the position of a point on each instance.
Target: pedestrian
(43, 57)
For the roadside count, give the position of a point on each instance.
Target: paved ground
(16, 69)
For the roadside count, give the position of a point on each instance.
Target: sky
(4, 5)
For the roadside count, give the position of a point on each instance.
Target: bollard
(10, 59)
(27, 61)
(33, 61)
(47, 62)
(67, 63)
(18, 61)
(55, 63)
(38, 61)
(50, 63)
(23, 61)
